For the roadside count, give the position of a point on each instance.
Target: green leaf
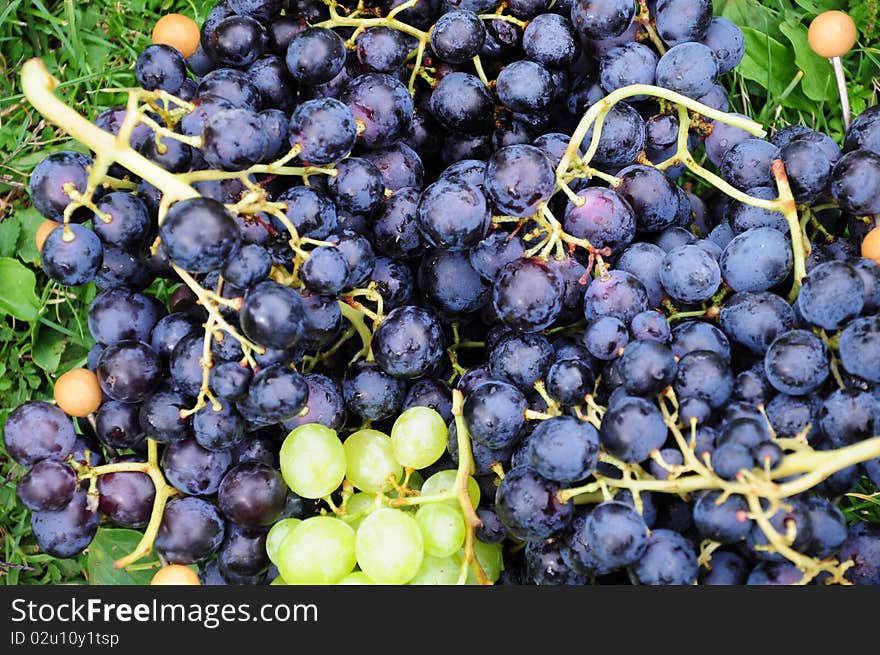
(818, 6)
(770, 64)
(9, 230)
(30, 220)
(48, 347)
(111, 544)
(755, 15)
(818, 82)
(17, 295)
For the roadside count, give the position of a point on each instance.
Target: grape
(828, 526)
(848, 416)
(460, 102)
(668, 560)
(418, 437)
(315, 56)
(521, 359)
(630, 63)
(601, 19)
(615, 293)
(569, 380)
(688, 68)
(564, 449)
(725, 522)
(453, 215)
(191, 530)
(48, 486)
(389, 546)
(37, 430)
(72, 255)
(756, 260)
(234, 139)
(493, 412)
(383, 104)
(726, 40)
(313, 461)
(128, 371)
(436, 571)
(852, 177)
(494, 252)
(622, 138)
(651, 195)
(689, 274)
(66, 532)
(324, 128)
(679, 21)
(127, 219)
(796, 363)
(276, 536)
(831, 294)
(604, 219)
(808, 170)
(442, 527)
(518, 178)
(443, 482)
(616, 534)
(775, 573)
(242, 555)
(794, 516)
(126, 497)
(643, 260)
(381, 49)
(549, 39)
(726, 569)
(862, 546)
(746, 164)
(357, 186)
(194, 470)
(527, 504)
(252, 494)
(160, 67)
(468, 294)
(651, 325)
(369, 461)
(524, 86)
(321, 550)
(400, 166)
(698, 335)
(371, 393)
(458, 36)
(159, 419)
(647, 367)
(527, 295)
(272, 315)
(705, 375)
(546, 565)
(859, 348)
(199, 235)
(51, 175)
(632, 429)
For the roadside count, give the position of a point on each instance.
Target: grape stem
(164, 492)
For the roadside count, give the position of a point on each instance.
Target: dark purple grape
(252, 494)
(470, 291)
(371, 393)
(126, 497)
(272, 315)
(756, 260)
(615, 293)
(51, 175)
(72, 255)
(324, 129)
(632, 429)
(528, 506)
(705, 375)
(49, 486)
(746, 164)
(409, 342)
(852, 179)
(601, 19)
(384, 106)
(679, 21)
(606, 337)
(66, 532)
(453, 215)
(159, 416)
(37, 430)
(688, 68)
(315, 55)
(651, 195)
(199, 235)
(193, 469)
(527, 295)
(519, 178)
(647, 367)
(460, 101)
(859, 348)
(160, 67)
(831, 294)
(325, 404)
(128, 371)
(669, 559)
(191, 531)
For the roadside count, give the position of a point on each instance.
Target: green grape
(356, 578)
(389, 546)
(321, 550)
(358, 507)
(419, 437)
(443, 481)
(442, 528)
(370, 461)
(490, 558)
(276, 535)
(312, 460)
(438, 571)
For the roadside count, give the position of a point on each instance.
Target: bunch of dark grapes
(324, 310)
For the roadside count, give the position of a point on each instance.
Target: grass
(91, 47)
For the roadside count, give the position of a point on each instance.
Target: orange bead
(43, 232)
(871, 245)
(178, 31)
(78, 393)
(832, 34)
(175, 574)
